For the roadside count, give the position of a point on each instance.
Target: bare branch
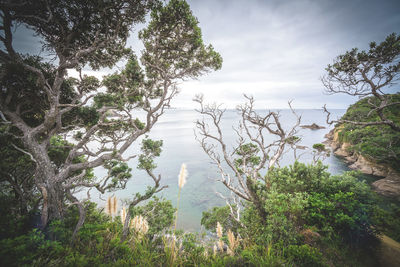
(25, 152)
(242, 162)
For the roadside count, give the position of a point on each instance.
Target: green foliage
(99, 243)
(88, 116)
(378, 143)
(16, 219)
(59, 149)
(150, 150)
(379, 58)
(27, 94)
(388, 220)
(301, 197)
(319, 147)
(119, 172)
(222, 215)
(19, 198)
(173, 35)
(247, 154)
(293, 140)
(124, 88)
(334, 204)
(281, 223)
(72, 21)
(158, 212)
(345, 205)
(25, 249)
(304, 255)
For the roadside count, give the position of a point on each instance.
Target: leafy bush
(344, 206)
(222, 215)
(300, 197)
(159, 214)
(304, 255)
(388, 220)
(26, 249)
(297, 199)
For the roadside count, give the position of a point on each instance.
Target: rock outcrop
(368, 167)
(313, 126)
(388, 186)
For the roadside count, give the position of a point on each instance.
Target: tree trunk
(53, 203)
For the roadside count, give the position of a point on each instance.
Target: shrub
(304, 255)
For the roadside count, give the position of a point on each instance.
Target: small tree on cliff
(41, 105)
(367, 73)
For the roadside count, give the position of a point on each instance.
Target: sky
(277, 50)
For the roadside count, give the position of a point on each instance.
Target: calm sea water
(176, 128)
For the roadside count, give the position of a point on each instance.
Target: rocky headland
(388, 186)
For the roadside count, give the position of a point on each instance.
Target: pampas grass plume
(182, 176)
(140, 224)
(219, 230)
(109, 206)
(114, 205)
(123, 215)
(233, 242)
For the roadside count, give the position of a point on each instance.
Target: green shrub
(159, 213)
(304, 255)
(222, 215)
(303, 196)
(25, 249)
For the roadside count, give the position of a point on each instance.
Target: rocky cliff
(388, 186)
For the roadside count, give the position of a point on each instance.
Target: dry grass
(114, 205)
(183, 173)
(233, 243)
(140, 225)
(111, 206)
(219, 231)
(123, 215)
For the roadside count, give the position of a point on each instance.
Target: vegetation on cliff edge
(378, 143)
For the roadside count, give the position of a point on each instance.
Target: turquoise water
(176, 128)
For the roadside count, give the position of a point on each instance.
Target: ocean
(176, 129)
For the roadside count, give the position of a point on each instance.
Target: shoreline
(388, 186)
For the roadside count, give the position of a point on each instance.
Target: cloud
(278, 50)
(274, 50)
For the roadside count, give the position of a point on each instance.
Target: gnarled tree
(367, 73)
(92, 122)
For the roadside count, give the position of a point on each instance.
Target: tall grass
(181, 182)
(111, 205)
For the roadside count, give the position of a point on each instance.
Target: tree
(252, 153)
(367, 73)
(93, 122)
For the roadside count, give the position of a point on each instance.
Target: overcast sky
(278, 50)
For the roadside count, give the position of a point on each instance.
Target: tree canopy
(68, 126)
(368, 73)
